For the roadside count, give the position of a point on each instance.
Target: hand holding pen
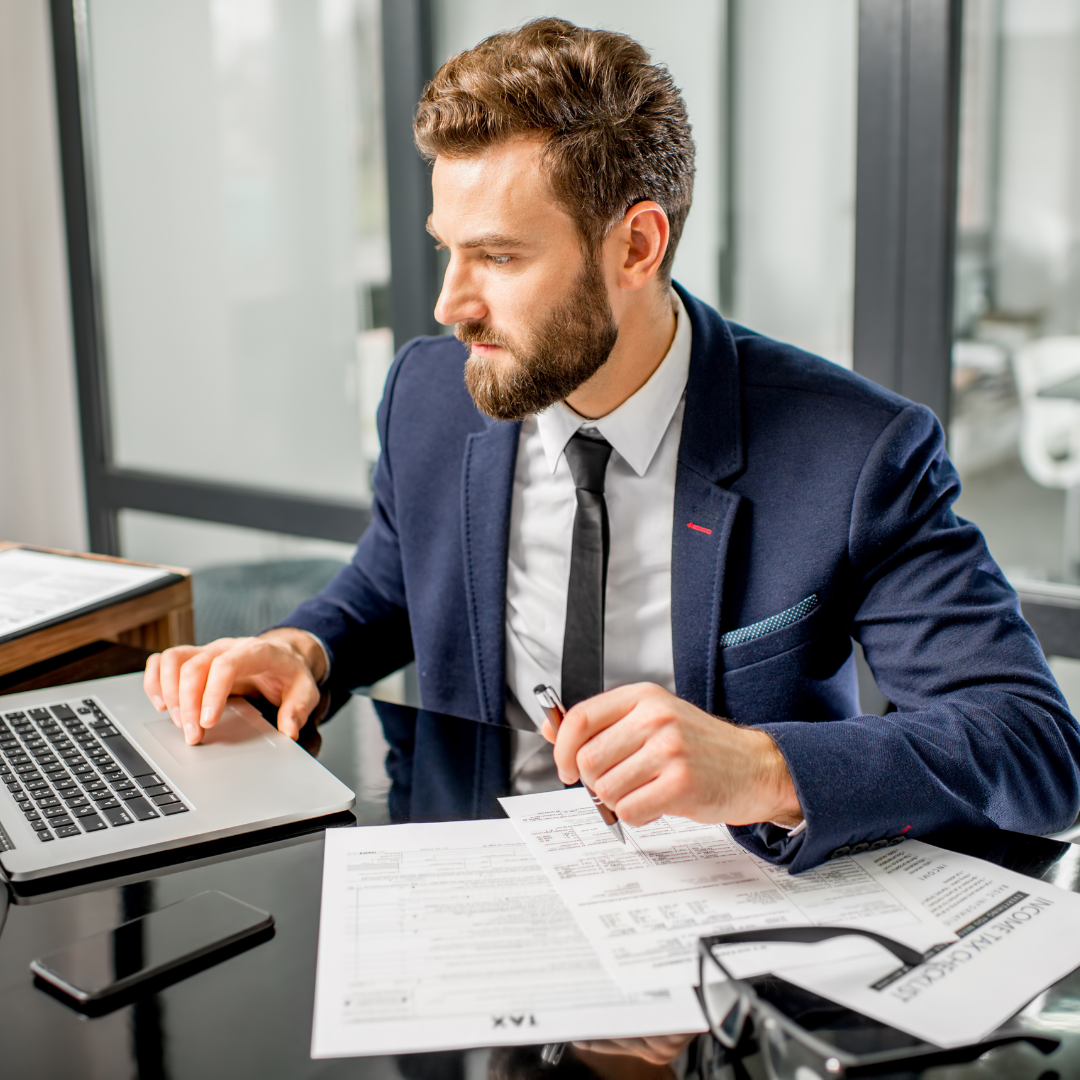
(555, 712)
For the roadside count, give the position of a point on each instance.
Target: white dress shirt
(639, 489)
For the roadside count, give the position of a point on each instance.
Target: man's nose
(459, 299)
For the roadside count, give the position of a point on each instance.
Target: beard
(556, 357)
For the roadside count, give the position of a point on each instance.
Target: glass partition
(790, 247)
(770, 88)
(1015, 432)
(238, 174)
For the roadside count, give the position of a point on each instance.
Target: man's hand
(193, 683)
(647, 753)
(654, 1049)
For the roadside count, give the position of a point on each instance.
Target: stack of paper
(546, 929)
(39, 588)
(436, 937)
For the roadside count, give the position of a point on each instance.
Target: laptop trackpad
(233, 734)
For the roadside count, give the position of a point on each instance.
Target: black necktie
(583, 641)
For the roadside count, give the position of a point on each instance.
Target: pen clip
(550, 703)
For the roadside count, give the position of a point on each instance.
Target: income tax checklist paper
(643, 905)
(447, 936)
(1015, 936)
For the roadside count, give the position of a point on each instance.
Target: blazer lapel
(710, 453)
(704, 516)
(487, 487)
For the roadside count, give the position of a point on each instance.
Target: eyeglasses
(791, 1051)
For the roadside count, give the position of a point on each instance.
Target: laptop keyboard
(72, 772)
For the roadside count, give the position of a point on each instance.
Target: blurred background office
(211, 241)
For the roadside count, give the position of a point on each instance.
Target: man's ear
(642, 239)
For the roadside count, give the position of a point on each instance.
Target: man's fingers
(249, 662)
(193, 678)
(650, 801)
(606, 750)
(300, 698)
(588, 718)
(224, 673)
(634, 771)
(192, 685)
(152, 681)
(172, 660)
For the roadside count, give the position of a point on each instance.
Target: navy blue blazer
(822, 507)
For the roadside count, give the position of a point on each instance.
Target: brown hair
(615, 125)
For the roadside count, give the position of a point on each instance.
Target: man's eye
(499, 260)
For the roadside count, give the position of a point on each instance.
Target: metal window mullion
(251, 508)
(69, 60)
(909, 61)
(407, 66)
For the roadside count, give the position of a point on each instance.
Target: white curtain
(41, 493)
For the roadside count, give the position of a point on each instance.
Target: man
(672, 518)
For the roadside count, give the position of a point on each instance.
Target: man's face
(533, 309)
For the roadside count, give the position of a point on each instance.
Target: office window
(1015, 433)
(238, 175)
(770, 89)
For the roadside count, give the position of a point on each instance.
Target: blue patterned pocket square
(773, 622)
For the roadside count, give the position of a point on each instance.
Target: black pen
(555, 711)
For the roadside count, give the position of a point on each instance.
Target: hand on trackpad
(239, 731)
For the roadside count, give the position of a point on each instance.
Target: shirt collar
(636, 427)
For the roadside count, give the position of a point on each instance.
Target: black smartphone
(99, 967)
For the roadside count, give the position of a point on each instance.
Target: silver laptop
(90, 773)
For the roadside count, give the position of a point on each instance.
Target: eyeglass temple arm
(958, 1056)
(811, 935)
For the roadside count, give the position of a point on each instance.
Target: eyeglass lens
(726, 1008)
(787, 1059)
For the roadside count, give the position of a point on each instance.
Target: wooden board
(154, 621)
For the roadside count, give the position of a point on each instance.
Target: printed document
(1016, 937)
(38, 588)
(643, 905)
(449, 936)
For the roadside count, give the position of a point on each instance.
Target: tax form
(644, 905)
(38, 588)
(1015, 937)
(446, 936)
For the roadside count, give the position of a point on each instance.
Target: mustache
(470, 333)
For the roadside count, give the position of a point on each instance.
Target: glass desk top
(250, 1016)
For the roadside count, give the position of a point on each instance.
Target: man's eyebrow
(493, 240)
(489, 240)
